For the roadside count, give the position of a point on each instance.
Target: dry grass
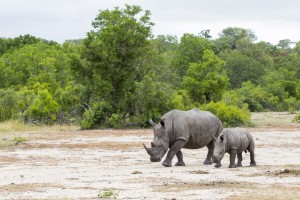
(14, 126)
(183, 186)
(107, 145)
(274, 119)
(276, 192)
(25, 187)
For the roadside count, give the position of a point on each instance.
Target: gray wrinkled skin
(192, 129)
(233, 141)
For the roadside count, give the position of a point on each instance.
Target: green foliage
(242, 68)
(230, 115)
(190, 50)
(181, 100)
(119, 74)
(297, 118)
(44, 107)
(96, 116)
(256, 97)
(7, 104)
(19, 140)
(206, 81)
(152, 98)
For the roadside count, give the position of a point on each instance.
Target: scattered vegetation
(107, 194)
(297, 118)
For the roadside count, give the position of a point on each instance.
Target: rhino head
(219, 150)
(160, 143)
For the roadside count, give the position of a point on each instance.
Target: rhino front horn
(151, 123)
(149, 150)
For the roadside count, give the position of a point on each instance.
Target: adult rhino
(192, 129)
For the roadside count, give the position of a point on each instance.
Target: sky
(60, 20)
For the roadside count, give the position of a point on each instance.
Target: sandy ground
(113, 164)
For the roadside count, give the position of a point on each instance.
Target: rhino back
(237, 138)
(196, 127)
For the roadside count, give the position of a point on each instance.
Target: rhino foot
(239, 165)
(180, 164)
(167, 164)
(207, 162)
(252, 164)
(232, 166)
(217, 165)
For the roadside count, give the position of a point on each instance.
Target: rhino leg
(210, 153)
(232, 153)
(180, 159)
(240, 158)
(179, 144)
(252, 160)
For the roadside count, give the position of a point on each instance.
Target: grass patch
(10, 140)
(107, 194)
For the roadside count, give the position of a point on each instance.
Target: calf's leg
(232, 153)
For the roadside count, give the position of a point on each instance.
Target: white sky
(60, 20)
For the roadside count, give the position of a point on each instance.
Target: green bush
(230, 115)
(96, 117)
(297, 118)
(115, 121)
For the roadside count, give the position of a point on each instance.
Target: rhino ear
(222, 137)
(162, 122)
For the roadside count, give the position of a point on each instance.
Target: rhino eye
(153, 144)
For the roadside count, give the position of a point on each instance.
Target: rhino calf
(233, 141)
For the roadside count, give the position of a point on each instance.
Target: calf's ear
(222, 137)
(162, 122)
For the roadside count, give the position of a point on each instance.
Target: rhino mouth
(155, 159)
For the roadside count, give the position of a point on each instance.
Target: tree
(241, 68)
(230, 38)
(206, 81)
(113, 57)
(190, 50)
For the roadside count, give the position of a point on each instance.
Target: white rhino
(192, 129)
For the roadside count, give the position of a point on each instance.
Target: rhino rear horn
(151, 123)
(149, 150)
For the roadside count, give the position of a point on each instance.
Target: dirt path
(113, 163)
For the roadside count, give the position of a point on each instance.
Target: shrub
(115, 121)
(96, 116)
(297, 118)
(230, 115)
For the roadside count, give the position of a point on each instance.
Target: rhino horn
(151, 123)
(149, 150)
